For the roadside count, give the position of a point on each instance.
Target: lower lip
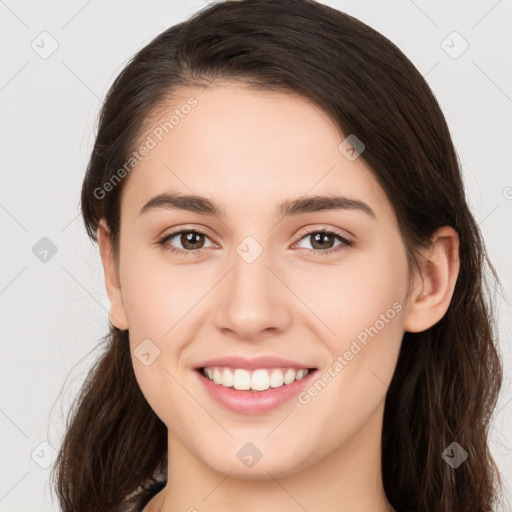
(253, 402)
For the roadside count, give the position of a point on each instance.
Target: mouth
(253, 392)
(257, 380)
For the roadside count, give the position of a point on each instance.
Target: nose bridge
(251, 278)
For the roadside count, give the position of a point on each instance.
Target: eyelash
(198, 252)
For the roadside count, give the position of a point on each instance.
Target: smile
(253, 392)
(256, 380)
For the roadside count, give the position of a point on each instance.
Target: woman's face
(258, 284)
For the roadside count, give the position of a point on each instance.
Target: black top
(138, 499)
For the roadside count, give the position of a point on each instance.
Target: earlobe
(433, 291)
(117, 313)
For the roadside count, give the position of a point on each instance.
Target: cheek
(370, 323)
(373, 296)
(156, 298)
(166, 397)
(362, 291)
(151, 293)
(366, 314)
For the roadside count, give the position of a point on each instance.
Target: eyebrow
(290, 207)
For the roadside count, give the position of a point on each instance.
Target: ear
(117, 313)
(433, 290)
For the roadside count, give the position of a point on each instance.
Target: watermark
(44, 250)
(507, 193)
(151, 141)
(44, 454)
(351, 147)
(45, 45)
(454, 455)
(146, 352)
(342, 360)
(454, 45)
(249, 454)
(249, 249)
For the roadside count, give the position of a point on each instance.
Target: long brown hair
(447, 378)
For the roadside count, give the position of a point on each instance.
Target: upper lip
(254, 363)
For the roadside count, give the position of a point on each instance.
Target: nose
(252, 301)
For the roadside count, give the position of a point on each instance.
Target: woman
(244, 369)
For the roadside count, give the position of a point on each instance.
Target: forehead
(246, 148)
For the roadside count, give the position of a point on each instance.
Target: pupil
(187, 240)
(318, 237)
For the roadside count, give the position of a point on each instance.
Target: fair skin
(248, 151)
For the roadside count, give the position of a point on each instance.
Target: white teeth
(260, 380)
(227, 378)
(289, 376)
(217, 376)
(257, 380)
(241, 380)
(276, 379)
(301, 374)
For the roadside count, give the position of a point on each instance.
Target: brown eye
(322, 240)
(191, 240)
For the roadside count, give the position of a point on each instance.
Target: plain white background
(54, 312)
